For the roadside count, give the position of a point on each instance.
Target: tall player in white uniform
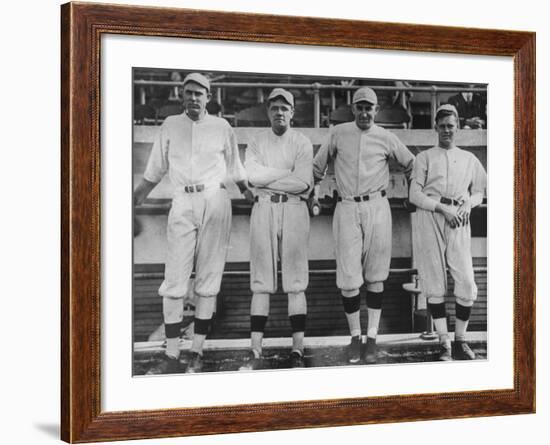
(198, 152)
(362, 223)
(447, 183)
(279, 166)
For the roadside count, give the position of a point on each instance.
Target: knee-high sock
(374, 310)
(172, 309)
(463, 310)
(437, 309)
(258, 307)
(352, 305)
(374, 322)
(297, 310)
(204, 310)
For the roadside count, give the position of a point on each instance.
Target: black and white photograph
(285, 221)
(296, 317)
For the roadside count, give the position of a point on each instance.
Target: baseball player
(198, 152)
(362, 224)
(279, 166)
(447, 183)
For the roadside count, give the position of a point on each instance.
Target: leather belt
(449, 201)
(361, 198)
(196, 188)
(277, 197)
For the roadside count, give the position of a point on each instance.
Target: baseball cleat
(461, 351)
(370, 355)
(164, 365)
(354, 349)
(253, 362)
(297, 360)
(445, 354)
(195, 364)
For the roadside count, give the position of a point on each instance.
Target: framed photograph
(186, 311)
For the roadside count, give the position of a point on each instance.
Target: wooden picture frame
(82, 26)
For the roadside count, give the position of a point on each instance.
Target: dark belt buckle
(449, 201)
(279, 198)
(365, 197)
(188, 189)
(357, 199)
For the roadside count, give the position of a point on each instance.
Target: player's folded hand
(248, 195)
(451, 215)
(464, 211)
(409, 206)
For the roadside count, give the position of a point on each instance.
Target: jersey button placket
(193, 150)
(362, 146)
(447, 173)
(192, 196)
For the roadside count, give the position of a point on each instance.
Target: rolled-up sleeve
(478, 184)
(418, 181)
(235, 169)
(157, 165)
(325, 152)
(400, 153)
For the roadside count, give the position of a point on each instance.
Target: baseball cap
(197, 78)
(447, 107)
(365, 94)
(280, 92)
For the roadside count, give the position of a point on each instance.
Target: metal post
(316, 106)
(260, 95)
(332, 100)
(429, 333)
(433, 97)
(219, 100)
(142, 96)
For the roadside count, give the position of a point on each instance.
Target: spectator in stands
(471, 108)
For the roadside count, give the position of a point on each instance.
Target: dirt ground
(231, 360)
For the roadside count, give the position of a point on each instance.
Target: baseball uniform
(279, 230)
(455, 175)
(279, 167)
(198, 157)
(362, 218)
(447, 183)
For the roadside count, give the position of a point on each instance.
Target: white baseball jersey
(279, 230)
(362, 230)
(445, 173)
(202, 152)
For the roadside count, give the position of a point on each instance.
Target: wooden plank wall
(325, 314)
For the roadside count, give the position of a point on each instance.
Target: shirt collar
(200, 120)
(453, 148)
(369, 130)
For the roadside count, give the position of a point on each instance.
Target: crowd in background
(243, 106)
